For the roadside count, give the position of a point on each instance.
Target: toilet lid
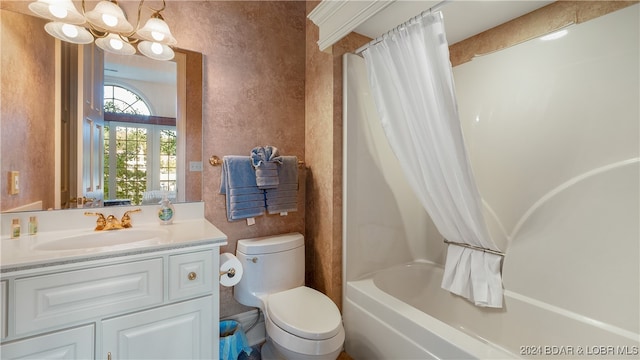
(305, 312)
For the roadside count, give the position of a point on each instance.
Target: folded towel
(285, 197)
(267, 175)
(265, 159)
(277, 194)
(283, 200)
(260, 154)
(238, 182)
(247, 197)
(268, 168)
(246, 205)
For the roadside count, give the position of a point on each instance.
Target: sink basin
(103, 239)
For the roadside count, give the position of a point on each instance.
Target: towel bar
(215, 160)
(495, 252)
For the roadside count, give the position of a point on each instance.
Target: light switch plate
(14, 182)
(195, 165)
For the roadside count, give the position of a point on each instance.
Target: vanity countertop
(189, 229)
(18, 254)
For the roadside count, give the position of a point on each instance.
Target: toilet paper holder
(231, 272)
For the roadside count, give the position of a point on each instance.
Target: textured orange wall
(253, 94)
(254, 61)
(26, 80)
(193, 179)
(324, 158)
(319, 158)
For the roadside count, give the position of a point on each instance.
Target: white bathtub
(402, 313)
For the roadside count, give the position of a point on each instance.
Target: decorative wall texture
(324, 158)
(254, 69)
(30, 80)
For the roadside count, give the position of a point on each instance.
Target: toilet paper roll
(229, 277)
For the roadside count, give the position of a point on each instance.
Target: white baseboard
(257, 334)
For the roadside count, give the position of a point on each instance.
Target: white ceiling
(138, 67)
(462, 18)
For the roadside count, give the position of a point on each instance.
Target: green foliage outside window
(131, 163)
(131, 150)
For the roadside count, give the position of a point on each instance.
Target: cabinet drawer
(63, 298)
(190, 274)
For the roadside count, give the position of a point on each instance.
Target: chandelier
(107, 25)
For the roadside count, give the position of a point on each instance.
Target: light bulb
(156, 48)
(116, 44)
(110, 19)
(157, 36)
(70, 31)
(58, 11)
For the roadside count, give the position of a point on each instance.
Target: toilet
(301, 323)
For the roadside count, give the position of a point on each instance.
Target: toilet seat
(305, 313)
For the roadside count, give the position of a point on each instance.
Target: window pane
(129, 179)
(120, 100)
(168, 160)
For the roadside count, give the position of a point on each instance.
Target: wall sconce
(107, 25)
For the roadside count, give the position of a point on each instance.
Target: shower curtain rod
(379, 38)
(490, 251)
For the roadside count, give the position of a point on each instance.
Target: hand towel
(267, 175)
(238, 183)
(284, 198)
(265, 161)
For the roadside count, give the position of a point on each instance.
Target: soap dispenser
(166, 210)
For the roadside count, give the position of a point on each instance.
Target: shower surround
(552, 131)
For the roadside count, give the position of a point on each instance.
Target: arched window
(144, 152)
(117, 99)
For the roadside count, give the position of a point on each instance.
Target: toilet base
(271, 351)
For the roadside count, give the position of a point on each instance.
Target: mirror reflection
(140, 134)
(79, 126)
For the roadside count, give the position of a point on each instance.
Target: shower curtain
(412, 85)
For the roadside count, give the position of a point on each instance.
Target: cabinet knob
(192, 275)
(108, 356)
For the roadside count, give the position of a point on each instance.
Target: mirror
(33, 138)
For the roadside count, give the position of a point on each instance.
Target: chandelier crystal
(108, 26)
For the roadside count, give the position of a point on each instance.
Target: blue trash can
(233, 341)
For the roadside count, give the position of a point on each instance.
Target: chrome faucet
(111, 222)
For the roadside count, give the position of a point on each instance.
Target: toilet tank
(270, 264)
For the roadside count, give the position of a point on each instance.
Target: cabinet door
(178, 331)
(3, 309)
(65, 344)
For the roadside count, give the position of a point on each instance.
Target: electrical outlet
(14, 182)
(195, 165)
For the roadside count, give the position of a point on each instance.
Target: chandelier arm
(128, 39)
(137, 27)
(125, 37)
(164, 5)
(96, 33)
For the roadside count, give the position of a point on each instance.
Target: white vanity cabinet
(74, 343)
(3, 309)
(176, 331)
(160, 305)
